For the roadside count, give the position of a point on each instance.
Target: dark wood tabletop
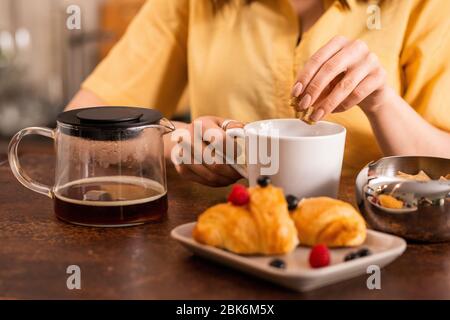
(143, 262)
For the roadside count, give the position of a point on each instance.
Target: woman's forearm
(399, 130)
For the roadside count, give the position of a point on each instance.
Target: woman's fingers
(365, 88)
(338, 76)
(329, 88)
(214, 138)
(315, 63)
(188, 174)
(217, 163)
(341, 62)
(207, 147)
(200, 174)
(224, 170)
(345, 86)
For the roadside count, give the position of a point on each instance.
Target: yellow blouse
(240, 61)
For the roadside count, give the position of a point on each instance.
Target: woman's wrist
(385, 97)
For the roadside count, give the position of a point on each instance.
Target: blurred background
(42, 62)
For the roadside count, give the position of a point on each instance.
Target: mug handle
(240, 168)
(14, 163)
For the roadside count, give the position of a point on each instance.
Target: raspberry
(239, 195)
(319, 256)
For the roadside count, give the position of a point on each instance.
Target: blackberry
(351, 256)
(278, 263)
(292, 202)
(364, 252)
(263, 181)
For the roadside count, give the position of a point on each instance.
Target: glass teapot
(110, 166)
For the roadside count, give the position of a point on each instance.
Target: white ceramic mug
(307, 159)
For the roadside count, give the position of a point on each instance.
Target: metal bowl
(428, 220)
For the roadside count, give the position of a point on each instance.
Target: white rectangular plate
(298, 275)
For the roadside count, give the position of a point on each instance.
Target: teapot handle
(14, 163)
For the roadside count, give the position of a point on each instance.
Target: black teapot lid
(107, 123)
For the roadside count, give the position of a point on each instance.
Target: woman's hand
(214, 175)
(338, 76)
(345, 73)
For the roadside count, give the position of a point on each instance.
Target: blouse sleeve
(148, 66)
(426, 62)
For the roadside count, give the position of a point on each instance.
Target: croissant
(328, 221)
(262, 227)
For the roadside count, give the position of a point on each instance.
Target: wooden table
(145, 263)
